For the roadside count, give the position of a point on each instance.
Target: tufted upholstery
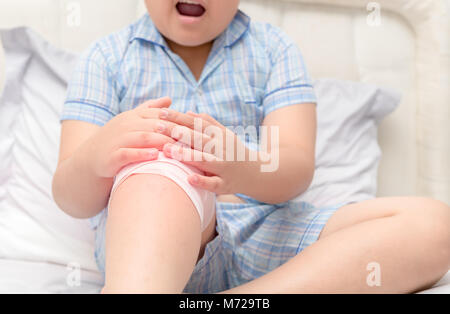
(409, 51)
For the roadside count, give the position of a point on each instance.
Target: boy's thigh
(208, 235)
(377, 208)
(150, 192)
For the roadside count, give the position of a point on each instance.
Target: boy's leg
(409, 238)
(153, 237)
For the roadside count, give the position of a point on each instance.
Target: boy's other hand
(204, 146)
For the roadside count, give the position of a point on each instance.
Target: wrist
(249, 173)
(259, 171)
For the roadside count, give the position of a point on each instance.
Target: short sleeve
(289, 82)
(91, 95)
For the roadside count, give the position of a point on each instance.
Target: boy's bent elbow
(289, 191)
(61, 198)
(289, 182)
(299, 181)
(57, 192)
(74, 199)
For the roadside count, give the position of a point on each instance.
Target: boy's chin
(190, 40)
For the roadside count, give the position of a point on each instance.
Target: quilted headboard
(403, 44)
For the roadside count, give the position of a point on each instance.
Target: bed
(400, 43)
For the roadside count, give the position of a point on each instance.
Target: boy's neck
(194, 57)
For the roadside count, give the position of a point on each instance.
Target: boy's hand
(132, 136)
(204, 147)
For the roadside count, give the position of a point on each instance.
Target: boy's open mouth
(190, 8)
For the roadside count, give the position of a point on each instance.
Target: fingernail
(164, 114)
(176, 133)
(176, 152)
(161, 127)
(166, 150)
(194, 179)
(153, 153)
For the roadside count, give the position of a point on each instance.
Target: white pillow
(347, 150)
(31, 225)
(32, 228)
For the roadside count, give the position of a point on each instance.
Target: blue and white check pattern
(253, 70)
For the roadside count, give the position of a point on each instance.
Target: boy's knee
(163, 183)
(431, 210)
(441, 215)
(151, 185)
(433, 218)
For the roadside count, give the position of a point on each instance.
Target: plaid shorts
(253, 239)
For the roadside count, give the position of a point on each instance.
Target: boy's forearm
(291, 177)
(77, 191)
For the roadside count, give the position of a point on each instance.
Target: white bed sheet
(31, 277)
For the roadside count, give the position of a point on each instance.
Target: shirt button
(199, 92)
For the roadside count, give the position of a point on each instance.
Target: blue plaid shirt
(253, 69)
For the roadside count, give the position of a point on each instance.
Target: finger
(152, 125)
(213, 184)
(203, 161)
(151, 108)
(186, 136)
(197, 124)
(145, 140)
(164, 102)
(178, 133)
(206, 117)
(187, 120)
(125, 156)
(149, 113)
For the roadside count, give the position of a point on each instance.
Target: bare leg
(153, 237)
(408, 237)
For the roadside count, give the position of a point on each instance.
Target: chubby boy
(167, 222)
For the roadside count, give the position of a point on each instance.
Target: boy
(163, 231)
